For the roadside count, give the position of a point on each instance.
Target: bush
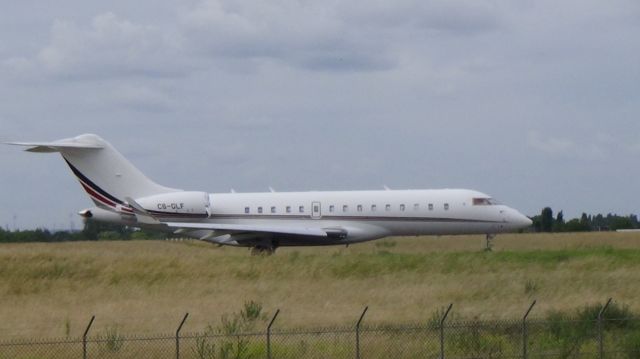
(229, 339)
(108, 236)
(479, 341)
(252, 311)
(569, 333)
(113, 340)
(631, 345)
(616, 316)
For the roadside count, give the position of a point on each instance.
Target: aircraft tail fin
(103, 172)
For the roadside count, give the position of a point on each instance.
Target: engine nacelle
(177, 204)
(103, 215)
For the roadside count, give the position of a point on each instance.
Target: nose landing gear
(489, 245)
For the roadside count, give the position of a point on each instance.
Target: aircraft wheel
(261, 251)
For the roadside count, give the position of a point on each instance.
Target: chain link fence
(598, 338)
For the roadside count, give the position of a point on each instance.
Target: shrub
(113, 340)
(479, 341)
(252, 311)
(230, 339)
(616, 315)
(436, 317)
(530, 287)
(631, 345)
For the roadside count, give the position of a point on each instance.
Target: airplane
(265, 221)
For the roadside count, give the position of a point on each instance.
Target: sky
(536, 103)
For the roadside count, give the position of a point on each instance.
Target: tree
(598, 222)
(537, 223)
(558, 226)
(576, 225)
(618, 222)
(93, 229)
(585, 221)
(546, 220)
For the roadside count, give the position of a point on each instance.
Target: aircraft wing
(242, 228)
(224, 233)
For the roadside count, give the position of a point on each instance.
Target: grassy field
(146, 286)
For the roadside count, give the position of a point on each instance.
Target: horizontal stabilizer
(56, 146)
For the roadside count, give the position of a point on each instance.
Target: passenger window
(446, 206)
(402, 207)
(288, 209)
(273, 209)
(373, 208)
(301, 209)
(416, 206)
(387, 207)
(332, 208)
(359, 208)
(259, 209)
(431, 206)
(345, 208)
(246, 209)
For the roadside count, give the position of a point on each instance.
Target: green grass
(52, 289)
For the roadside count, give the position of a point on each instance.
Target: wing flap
(235, 228)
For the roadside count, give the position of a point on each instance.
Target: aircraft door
(316, 210)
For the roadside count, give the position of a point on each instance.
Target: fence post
(444, 317)
(524, 331)
(178, 335)
(358, 332)
(269, 334)
(600, 334)
(84, 337)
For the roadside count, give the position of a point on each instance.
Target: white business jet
(265, 221)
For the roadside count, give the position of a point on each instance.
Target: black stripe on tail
(93, 186)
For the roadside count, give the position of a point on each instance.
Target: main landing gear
(263, 250)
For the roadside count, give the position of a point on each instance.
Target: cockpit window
(484, 202)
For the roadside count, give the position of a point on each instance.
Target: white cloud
(360, 36)
(317, 36)
(550, 145)
(110, 47)
(568, 148)
(464, 17)
(141, 98)
(306, 35)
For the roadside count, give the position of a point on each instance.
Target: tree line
(547, 222)
(92, 231)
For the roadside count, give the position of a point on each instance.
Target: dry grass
(146, 286)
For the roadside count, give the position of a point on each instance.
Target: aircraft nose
(519, 220)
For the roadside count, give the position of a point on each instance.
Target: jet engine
(188, 204)
(103, 215)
